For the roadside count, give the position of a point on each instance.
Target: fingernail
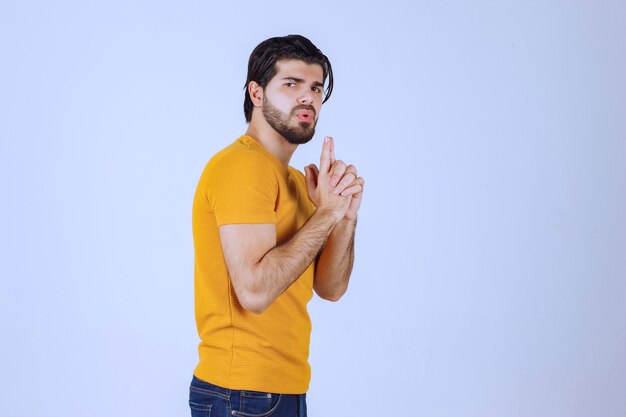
(326, 139)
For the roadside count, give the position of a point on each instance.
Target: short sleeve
(242, 188)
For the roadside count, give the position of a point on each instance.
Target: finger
(358, 181)
(352, 169)
(310, 178)
(354, 191)
(312, 172)
(332, 150)
(326, 155)
(336, 173)
(334, 181)
(345, 182)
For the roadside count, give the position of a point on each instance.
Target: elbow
(251, 302)
(256, 309)
(333, 296)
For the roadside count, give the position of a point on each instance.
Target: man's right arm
(259, 270)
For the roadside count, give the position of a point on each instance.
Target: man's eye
(290, 84)
(316, 89)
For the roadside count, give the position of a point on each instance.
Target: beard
(297, 134)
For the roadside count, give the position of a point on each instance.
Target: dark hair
(262, 63)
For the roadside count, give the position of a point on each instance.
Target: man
(265, 236)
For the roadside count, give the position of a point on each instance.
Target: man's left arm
(334, 263)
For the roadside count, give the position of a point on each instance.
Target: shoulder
(239, 161)
(241, 155)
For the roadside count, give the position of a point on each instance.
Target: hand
(347, 182)
(344, 179)
(319, 187)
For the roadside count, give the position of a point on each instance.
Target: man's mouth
(305, 115)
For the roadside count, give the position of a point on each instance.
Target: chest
(293, 207)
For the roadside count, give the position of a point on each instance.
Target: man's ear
(256, 93)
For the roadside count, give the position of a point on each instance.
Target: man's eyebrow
(300, 80)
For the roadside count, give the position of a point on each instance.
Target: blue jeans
(208, 400)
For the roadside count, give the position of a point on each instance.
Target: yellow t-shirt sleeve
(243, 188)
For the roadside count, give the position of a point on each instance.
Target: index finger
(332, 150)
(327, 152)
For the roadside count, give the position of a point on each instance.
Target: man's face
(292, 100)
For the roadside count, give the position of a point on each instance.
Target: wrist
(345, 221)
(328, 216)
(346, 224)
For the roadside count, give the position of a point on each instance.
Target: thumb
(310, 178)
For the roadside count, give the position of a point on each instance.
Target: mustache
(304, 107)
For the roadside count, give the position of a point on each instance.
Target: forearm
(283, 264)
(335, 262)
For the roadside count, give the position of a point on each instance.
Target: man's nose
(305, 98)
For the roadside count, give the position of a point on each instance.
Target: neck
(262, 132)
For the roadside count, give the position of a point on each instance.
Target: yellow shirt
(244, 183)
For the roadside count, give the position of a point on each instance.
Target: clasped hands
(335, 186)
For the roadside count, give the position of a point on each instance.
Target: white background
(491, 257)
